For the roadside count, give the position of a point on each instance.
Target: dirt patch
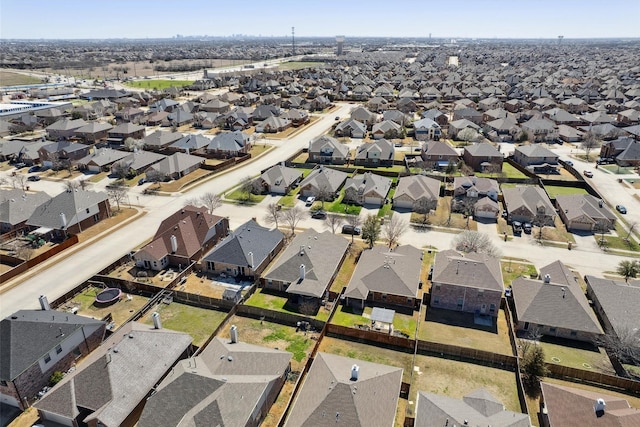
(117, 218)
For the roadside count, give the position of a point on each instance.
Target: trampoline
(108, 296)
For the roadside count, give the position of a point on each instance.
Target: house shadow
(579, 345)
(481, 220)
(460, 319)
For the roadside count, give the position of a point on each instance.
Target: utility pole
(293, 41)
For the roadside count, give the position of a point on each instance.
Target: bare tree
(19, 180)
(71, 185)
(334, 221)
(353, 220)
(589, 143)
(246, 188)
(293, 216)
(472, 241)
(154, 176)
(624, 343)
(273, 214)
(423, 207)
(467, 134)
(117, 194)
(393, 230)
(210, 200)
(83, 183)
(324, 194)
(121, 169)
(132, 144)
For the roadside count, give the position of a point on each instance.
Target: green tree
(371, 230)
(532, 367)
(628, 268)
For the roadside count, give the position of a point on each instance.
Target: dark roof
(27, 335)
(248, 238)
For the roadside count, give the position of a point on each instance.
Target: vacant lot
(8, 78)
(159, 84)
(200, 323)
(121, 311)
(369, 353)
(456, 379)
(455, 328)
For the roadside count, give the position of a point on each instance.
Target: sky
(99, 19)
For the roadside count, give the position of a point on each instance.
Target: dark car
(141, 181)
(33, 178)
(517, 228)
(20, 165)
(319, 215)
(527, 227)
(621, 209)
(33, 169)
(350, 229)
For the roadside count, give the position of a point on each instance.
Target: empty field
(158, 84)
(8, 78)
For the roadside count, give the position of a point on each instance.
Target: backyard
(443, 376)
(554, 190)
(198, 322)
(576, 355)
(402, 323)
(508, 171)
(269, 301)
(348, 266)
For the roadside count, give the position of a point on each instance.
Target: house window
(552, 330)
(58, 349)
(480, 292)
(47, 358)
(96, 218)
(492, 308)
(409, 300)
(384, 297)
(87, 210)
(155, 263)
(436, 300)
(437, 287)
(76, 352)
(460, 303)
(574, 333)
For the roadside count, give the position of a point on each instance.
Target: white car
(310, 200)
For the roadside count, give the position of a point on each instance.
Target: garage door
(485, 214)
(9, 400)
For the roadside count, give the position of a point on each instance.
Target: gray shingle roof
(27, 335)
(483, 150)
(281, 175)
(417, 187)
(249, 237)
(330, 144)
(329, 397)
(111, 384)
(619, 301)
(191, 142)
(321, 254)
(369, 185)
(70, 203)
(176, 163)
(229, 141)
(394, 272)
(473, 270)
(16, 206)
(103, 157)
(577, 205)
(527, 197)
(323, 177)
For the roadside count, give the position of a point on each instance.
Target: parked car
(605, 160)
(588, 174)
(319, 215)
(33, 169)
(621, 209)
(517, 228)
(20, 165)
(527, 227)
(141, 181)
(310, 200)
(350, 229)
(33, 178)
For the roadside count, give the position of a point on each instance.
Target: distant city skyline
(67, 19)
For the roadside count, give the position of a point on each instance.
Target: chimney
(600, 203)
(157, 324)
(234, 334)
(63, 220)
(44, 303)
(251, 259)
(355, 369)
(547, 278)
(302, 272)
(301, 250)
(599, 407)
(174, 244)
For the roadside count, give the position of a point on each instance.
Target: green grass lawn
(508, 171)
(575, 356)
(344, 316)
(98, 177)
(616, 242)
(456, 379)
(197, 322)
(159, 84)
(277, 303)
(338, 207)
(450, 327)
(386, 208)
(8, 78)
(298, 344)
(618, 170)
(554, 191)
(512, 270)
(242, 197)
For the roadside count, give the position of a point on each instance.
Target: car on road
(33, 178)
(588, 174)
(141, 181)
(319, 215)
(621, 209)
(350, 229)
(310, 200)
(569, 163)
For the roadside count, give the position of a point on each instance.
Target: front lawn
(243, 197)
(514, 269)
(445, 218)
(343, 208)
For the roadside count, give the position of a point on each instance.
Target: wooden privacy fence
(595, 378)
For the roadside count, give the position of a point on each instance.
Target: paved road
(81, 265)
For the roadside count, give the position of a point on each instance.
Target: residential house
(175, 166)
(575, 105)
(306, 268)
(377, 103)
(93, 132)
(130, 114)
(540, 130)
(279, 179)
(479, 407)
(386, 129)
(36, 343)
(345, 391)
(156, 118)
(190, 142)
(182, 238)
(229, 144)
(112, 94)
(264, 111)
(388, 277)
(528, 204)
(325, 149)
(407, 105)
(165, 104)
(64, 129)
(585, 212)
(628, 117)
(230, 383)
(562, 117)
(245, 252)
(126, 130)
(417, 191)
(70, 212)
(61, 154)
(625, 151)
(536, 158)
(470, 282)
(112, 384)
(396, 116)
(569, 134)
(377, 153)
(17, 206)
(362, 115)
(456, 126)
(216, 106)
(469, 190)
(22, 151)
(322, 183)
(135, 163)
(438, 155)
(273, 124)
(427, 129)
(160, 140)
(469, 114)
(101, 159)
(483, 157)
(437, 116)
(351, 128)
(296, 116)
(554, 305)
(367, 189)
(177, 118)
(503, 130)
(565, 406)
(616, 303)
